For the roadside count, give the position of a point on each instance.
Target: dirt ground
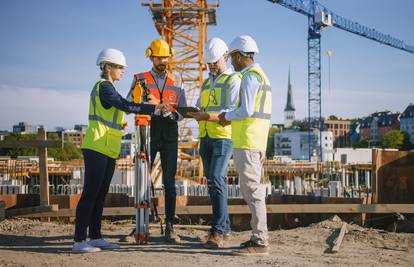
(32, 243)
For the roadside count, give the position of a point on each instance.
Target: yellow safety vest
(104, 133)
(252, 132)
(212, 101)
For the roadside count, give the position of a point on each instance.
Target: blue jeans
(215, 153)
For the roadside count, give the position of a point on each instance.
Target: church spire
(289, 101)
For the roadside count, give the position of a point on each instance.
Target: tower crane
(320, 17)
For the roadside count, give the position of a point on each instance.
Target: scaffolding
(183, 25)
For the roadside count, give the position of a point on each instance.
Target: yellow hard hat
(159, 48)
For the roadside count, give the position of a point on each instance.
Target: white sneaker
(84, 247)
(103, 244)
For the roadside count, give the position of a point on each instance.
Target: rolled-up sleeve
(249, 88)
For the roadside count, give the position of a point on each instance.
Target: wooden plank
(244, 209)
(31, 144)
(43, 171)
(31, 210)
(338, 240)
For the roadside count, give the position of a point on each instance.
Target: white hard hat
(112, 56)
(215, 49)
(244, 43)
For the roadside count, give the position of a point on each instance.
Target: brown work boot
(251, 248)
(227, 236)
(170, 236)
(214, 241)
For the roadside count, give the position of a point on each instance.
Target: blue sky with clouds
(48, 50)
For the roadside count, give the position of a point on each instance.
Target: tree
(407, 144)
(69, 151)
(361, 143)
(393, 139)
(270, 149)
(333, 117)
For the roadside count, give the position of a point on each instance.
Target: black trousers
(99, 169)
(168, 152)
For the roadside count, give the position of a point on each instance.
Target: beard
(161, 67)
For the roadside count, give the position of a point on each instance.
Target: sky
(48, 51)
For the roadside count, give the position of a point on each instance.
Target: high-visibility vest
(252, 132)
(169, 93)
(212, 101)
(104, 133)
(162, 129)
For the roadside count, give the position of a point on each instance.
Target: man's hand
(199, 116)
(222, 117)
(153, 100)
(162, 107)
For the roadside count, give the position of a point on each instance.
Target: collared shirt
(233, 90)
(160, 81)
(249, 88)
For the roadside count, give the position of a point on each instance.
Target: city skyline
(48, 55)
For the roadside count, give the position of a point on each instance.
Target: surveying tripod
(143, 182)
(142, 178)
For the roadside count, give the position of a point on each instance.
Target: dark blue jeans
(98, 175)
(168, 152)
(215, 154)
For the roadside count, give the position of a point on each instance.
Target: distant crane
(320, 17)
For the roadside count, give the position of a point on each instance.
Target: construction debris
(338, 240)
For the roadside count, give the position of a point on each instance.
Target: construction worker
(101, 147)
(250, 123)
(165, 88)
(219, 93)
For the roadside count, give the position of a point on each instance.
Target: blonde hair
(104, 70)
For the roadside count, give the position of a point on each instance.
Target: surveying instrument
(142, 199)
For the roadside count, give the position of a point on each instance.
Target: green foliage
(407, 144)
(361, 144)
(270, 149)
(69, 151)
(14, 152)
(333, 117)
(299, 124)
(393, 139)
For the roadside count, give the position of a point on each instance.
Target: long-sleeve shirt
(111, 98)
(233, 93)
(160, 81)
(249, 88)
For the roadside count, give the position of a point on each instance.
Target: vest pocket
(113, 140)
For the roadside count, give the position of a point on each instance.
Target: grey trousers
(249, 166)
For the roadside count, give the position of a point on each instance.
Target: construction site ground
(25, 242)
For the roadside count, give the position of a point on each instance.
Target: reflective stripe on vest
(95, 117)
(224, 86)
(213, 103)
(261, 114)
(170, 91)
(104, 133)
(252, 132)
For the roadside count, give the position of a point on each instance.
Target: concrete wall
(350, 155)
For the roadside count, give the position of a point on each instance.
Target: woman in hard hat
(101, 147)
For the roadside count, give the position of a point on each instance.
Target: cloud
(48, 107)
